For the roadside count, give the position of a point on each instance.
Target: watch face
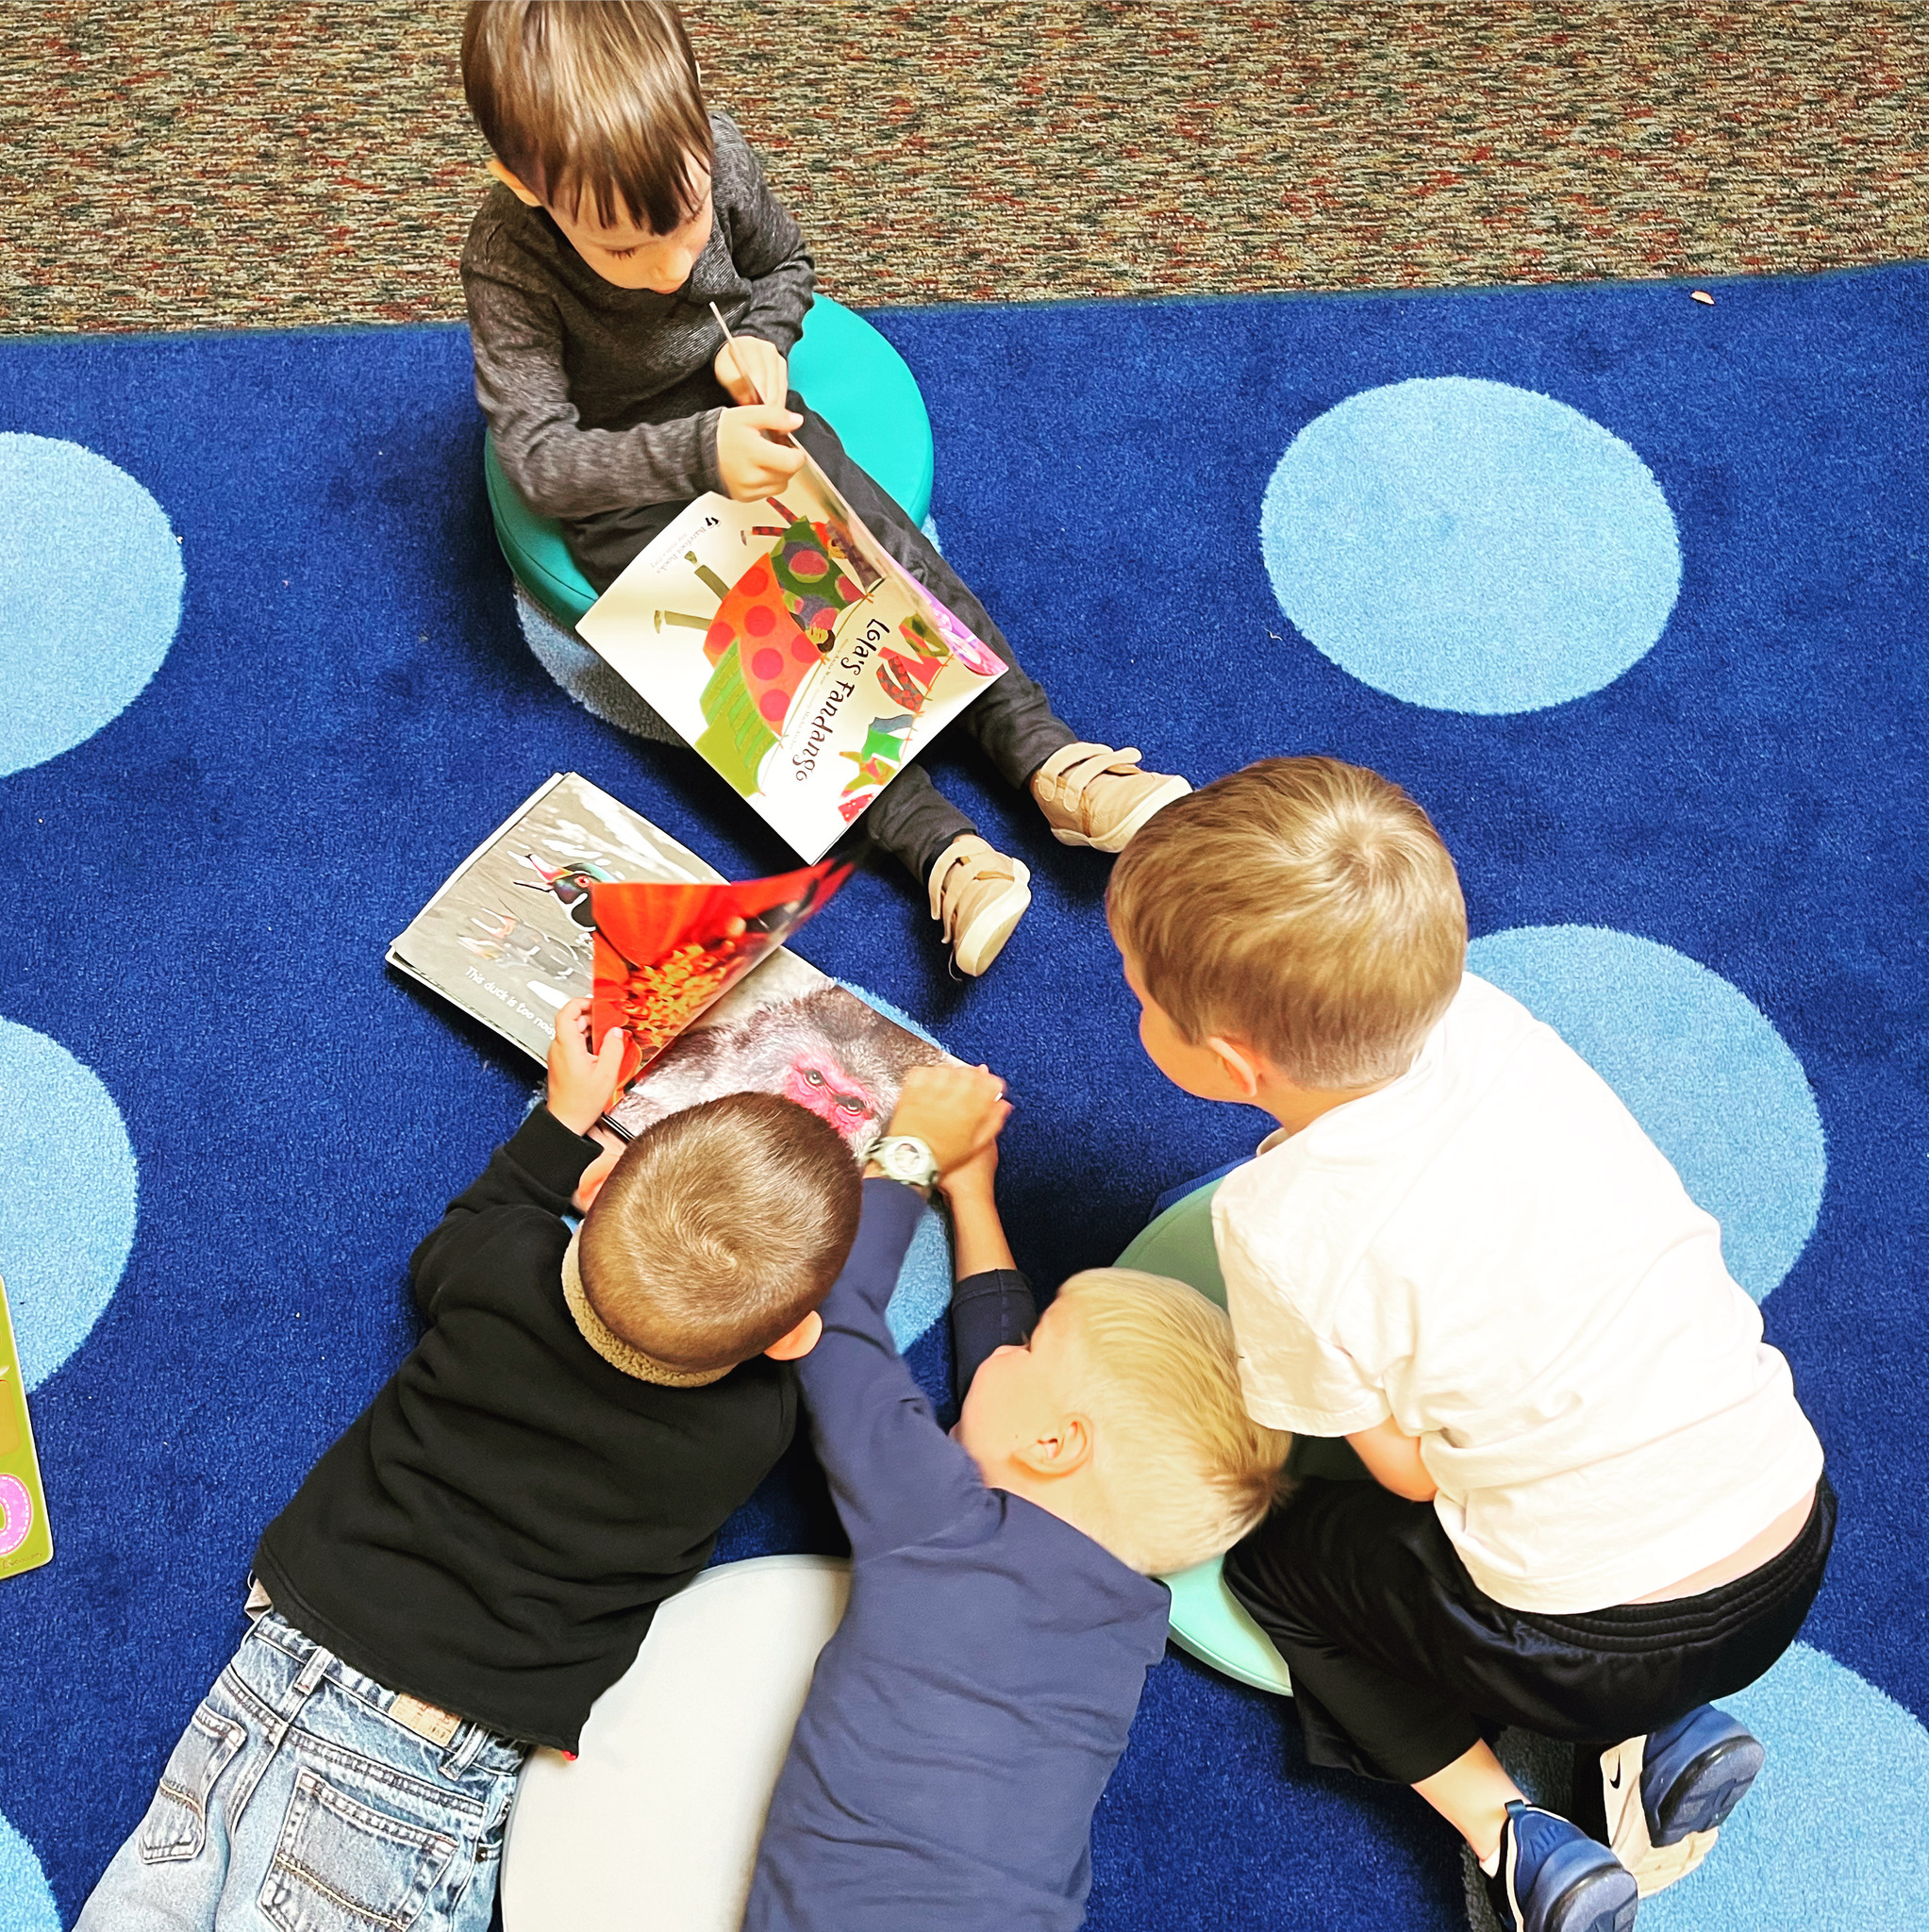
(906, 1160)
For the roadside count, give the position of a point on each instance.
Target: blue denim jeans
(295, 1799)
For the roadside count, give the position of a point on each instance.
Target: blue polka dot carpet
(1628, 590)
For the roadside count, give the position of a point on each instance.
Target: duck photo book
(575, 896)
(798, 656)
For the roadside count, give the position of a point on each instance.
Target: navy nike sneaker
(1553, 1878)
(1668, 1794)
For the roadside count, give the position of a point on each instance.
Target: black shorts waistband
(1711, 1612)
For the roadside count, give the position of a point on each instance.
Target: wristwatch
(905, 1158)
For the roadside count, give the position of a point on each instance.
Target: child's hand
(752, 370)
(956, 1112)
(974, 1179)
(752, 466)
(598, 1170)
(582, 1084)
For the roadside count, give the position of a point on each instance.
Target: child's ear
(1060, 1450)
(1243, 1067)
(510, 182)
(800, 1341)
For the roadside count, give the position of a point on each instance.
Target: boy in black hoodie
(481, 1553)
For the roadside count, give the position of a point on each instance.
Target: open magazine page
(663, 954)
(785, 1028)
(509, 937)
(790, 649)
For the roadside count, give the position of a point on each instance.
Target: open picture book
(693, 971)
(799, 657)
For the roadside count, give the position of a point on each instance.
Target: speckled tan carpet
(216, 163)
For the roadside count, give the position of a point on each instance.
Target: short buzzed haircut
(1183, 1470)
(590, 103)
(1303, 907)
(720, 1229)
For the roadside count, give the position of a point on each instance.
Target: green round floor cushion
(850, 375)
(1206, 1619)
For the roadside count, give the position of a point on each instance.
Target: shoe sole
(1604, 1899)
(1122, 834)
(1698, 1803)
(982, 942)
(1700, 1799)
(1601, 1904)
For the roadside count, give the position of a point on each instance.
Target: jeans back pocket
(175, 1826)
(341, 1867)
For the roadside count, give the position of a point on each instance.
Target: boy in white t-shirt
(1597, 1503)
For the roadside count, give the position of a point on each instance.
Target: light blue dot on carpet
(68, 1191)
(1697, 1063)
(26, 1901)
(1833, 1835)
(923, 1284)
(89, 595)
(1468, 545)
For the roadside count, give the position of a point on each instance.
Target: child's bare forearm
(1394, 1462)
(977, 1233)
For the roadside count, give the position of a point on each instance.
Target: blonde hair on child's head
(720, 1229)
(1184, 1470)
(590, 103)
(1303, 907)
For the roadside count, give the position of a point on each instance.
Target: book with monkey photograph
(577, 896)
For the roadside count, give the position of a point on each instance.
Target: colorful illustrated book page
(25, 1539)
(665, 953)
(799, 657)
(510, 937)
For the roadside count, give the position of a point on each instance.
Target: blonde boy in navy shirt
(965, 1718)
(1597, 1503)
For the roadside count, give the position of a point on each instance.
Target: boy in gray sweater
(622, 210)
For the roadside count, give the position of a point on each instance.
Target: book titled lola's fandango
(577, 896)
(792, 650)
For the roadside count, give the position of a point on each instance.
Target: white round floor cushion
(656, 1825)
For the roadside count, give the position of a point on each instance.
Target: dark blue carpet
(196, 897)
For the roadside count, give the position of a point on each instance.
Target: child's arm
(1393, 1458)
(895, 1473)
(550, 1162)
(560, 468)
(991, 1306)
(767, 250)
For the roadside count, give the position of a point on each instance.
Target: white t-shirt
(1490, 1251)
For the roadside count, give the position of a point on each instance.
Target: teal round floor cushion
(1206, 1619)
(848, 374)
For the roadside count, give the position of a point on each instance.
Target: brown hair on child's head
(591, 105)
(1184, 1470)
(1302, 906)
(720, 1229)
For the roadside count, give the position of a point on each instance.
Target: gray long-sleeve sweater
(602, 398)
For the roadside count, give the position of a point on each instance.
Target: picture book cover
(799, 657)
(511, 936)
(25, 1539)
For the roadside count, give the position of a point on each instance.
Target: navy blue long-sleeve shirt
(966, 1715)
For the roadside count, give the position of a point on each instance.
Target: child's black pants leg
(1408, 1662)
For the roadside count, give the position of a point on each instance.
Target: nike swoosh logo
(1614, 1783)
